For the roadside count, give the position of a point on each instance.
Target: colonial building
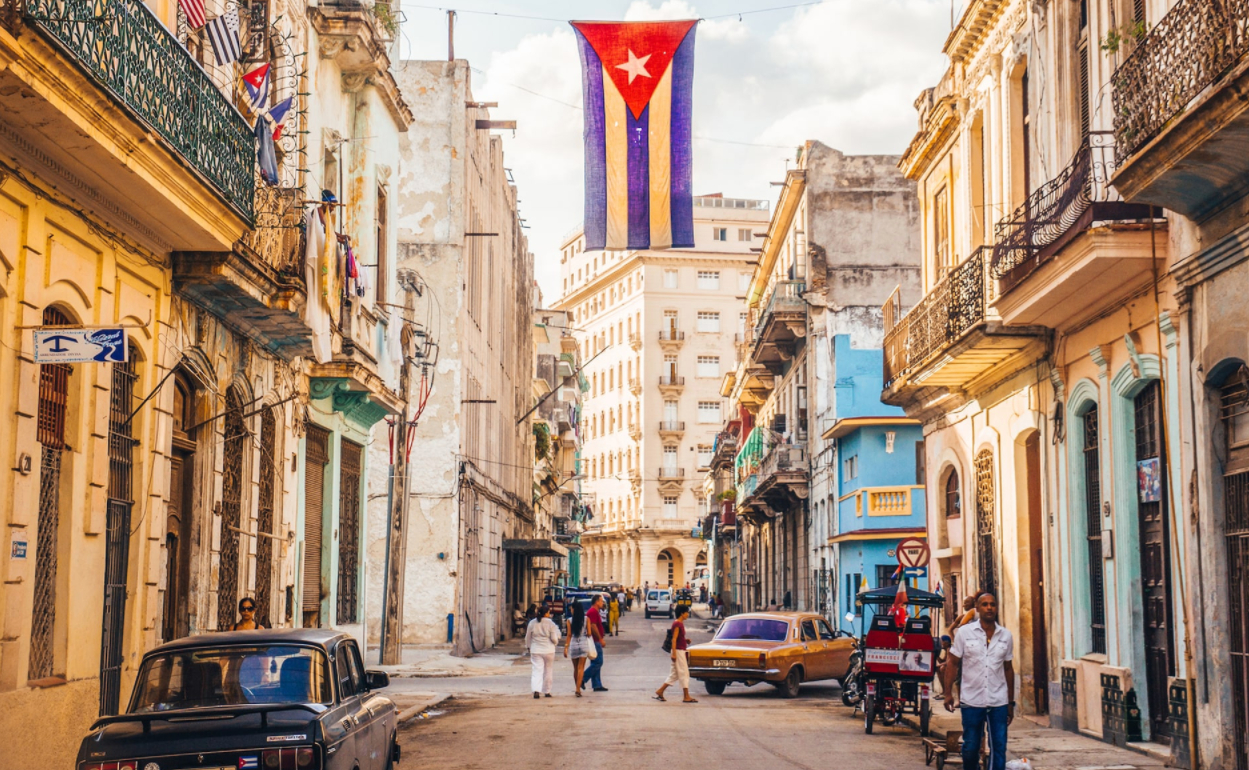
(469, 486)
(657, 331)
(841, 238)
(1043, 361)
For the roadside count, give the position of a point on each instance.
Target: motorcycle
(852, 685)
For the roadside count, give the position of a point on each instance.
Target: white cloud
(845, 72)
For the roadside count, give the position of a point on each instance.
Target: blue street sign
(916, 572)
(72, 346)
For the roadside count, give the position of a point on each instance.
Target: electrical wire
(738, 14)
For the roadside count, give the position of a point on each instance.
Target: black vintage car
(250, 700)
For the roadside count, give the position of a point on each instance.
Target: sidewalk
(1046, 747)
(437, 662)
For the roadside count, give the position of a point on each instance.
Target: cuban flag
(257, 84)
(637, 80)
(251, 762)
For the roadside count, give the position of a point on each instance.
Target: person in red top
(594, 671)
(680, 673)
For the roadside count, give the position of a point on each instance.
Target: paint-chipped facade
(470, 483)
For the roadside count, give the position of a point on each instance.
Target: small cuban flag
(257, 84)
(277, 116)
(251, 762)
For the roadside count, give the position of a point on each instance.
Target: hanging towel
(318, 318)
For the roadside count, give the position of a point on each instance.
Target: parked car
(255, 700)
(783, 649)
(659, 602)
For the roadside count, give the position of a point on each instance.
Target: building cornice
(778, 228)
(972, 29)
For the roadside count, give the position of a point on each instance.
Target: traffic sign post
(913, 552)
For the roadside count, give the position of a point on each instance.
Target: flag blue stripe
(681, 142)
(595, 224)
(639, 180)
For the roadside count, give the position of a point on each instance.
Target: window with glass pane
(670, 279)
(705, 452)
(708, 322)
(670, 507)
(708, 366)
(744, 234)
(743, 280)
(709, 411)
(709, 279)
(670, 411)
(720, 233)
(670, 458)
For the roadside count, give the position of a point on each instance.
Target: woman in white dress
(541, 639)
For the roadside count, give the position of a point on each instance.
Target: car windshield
(232, 676)
(754, 628)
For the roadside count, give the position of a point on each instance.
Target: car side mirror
(376, 680)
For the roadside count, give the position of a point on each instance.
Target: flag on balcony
(277, 116)
(256, 83)
(266, 152)
(637, 81)
(194, 12)
(223, 36)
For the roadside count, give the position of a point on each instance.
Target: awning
(536, 547)
(877, 534)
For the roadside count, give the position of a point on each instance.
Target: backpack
(667, 645)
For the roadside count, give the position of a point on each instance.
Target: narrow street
(494, 720)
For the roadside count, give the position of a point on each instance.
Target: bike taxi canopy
(914, 597)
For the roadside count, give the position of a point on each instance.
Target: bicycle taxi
(899, 662)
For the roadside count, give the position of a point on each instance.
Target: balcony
(101, 99)
(671, 385)
(671, 339)
(781, 326)
(668, 474)
(671, 428)
(952, 337)
(725, 449)
(358, 35)
(728, 515)
(351, 377)
(1181, 117)
(784, 468)
(635, 341)
(635, 432)
(635, 386)
(757, 384)
(1072, 233)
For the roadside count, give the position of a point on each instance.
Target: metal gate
(235, 435)
(985, 498)
(317, 455)
(264, 519)
(1093, 519)
(1236, 530)
(53, 399)
(121, 445)
(349, 532)
(1155, 554)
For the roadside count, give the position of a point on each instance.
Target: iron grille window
(953, 498)
(53, 399)
(885, 575)
(985, 498)
(1093, 519)
(235, 435)
(264, 523)
(1235, 414)
(349, 533)
(121, 445)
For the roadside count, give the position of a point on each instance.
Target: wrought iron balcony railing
(671, 473)
(671, 335)
(784, 458)
(786, 297)
(1054, 208)
(671, 381)
(671, 426)
(1187, 50)
(124, 47)
(958, 303)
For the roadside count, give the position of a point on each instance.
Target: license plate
(724, 663)
(871, 688)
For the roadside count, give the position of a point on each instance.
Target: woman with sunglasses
(247, 615)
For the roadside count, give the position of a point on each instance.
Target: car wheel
(925, 712)
(792, 684)
(714, 688)
(394, 753)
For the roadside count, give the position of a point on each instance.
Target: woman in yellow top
(613, 616)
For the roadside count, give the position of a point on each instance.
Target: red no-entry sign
(913, 552)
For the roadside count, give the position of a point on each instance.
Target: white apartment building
(658, 329)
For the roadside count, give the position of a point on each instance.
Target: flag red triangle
(257, 76)
(646, 45)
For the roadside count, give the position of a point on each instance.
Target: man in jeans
(594, 671)
(982, 654)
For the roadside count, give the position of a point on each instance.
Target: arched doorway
(176, 621)
(670, 567)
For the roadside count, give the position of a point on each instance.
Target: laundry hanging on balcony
(637, 81)
(317, 313)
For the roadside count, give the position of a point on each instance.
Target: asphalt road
(493, 722)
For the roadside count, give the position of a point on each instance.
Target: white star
(635, 66)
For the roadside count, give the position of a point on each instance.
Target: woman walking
(577, 644)
(613, 616)
(680, 673)
(541, 638)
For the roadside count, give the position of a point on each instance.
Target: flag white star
(635, 66)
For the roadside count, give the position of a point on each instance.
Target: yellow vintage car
(783, 649)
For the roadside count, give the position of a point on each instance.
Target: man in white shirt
(982, 653)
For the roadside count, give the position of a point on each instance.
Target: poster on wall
(1149, 480)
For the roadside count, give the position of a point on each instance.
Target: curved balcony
(671, 428)
(671, 385)
(635, 341)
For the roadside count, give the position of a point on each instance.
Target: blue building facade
(878, 479)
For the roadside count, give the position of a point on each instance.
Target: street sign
(913, 552)
(72, 346)
(915, 572)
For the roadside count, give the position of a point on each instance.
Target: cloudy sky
(845, 72)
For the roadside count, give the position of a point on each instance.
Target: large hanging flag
(637, 80)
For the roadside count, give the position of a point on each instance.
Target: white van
(659, 602)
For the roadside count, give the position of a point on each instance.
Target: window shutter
(317, 455)
(1084, 87)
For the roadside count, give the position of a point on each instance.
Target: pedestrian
(622, 600)
(247, 616)
(969, 614)
(541, 639)
(715, 606)
(789, 599)
(981, 660)
(680, 673)
(613, 615)
(594, 672)
(577, 644)
(943, 658)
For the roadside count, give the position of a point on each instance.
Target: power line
(502, 15)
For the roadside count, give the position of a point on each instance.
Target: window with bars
(1093, 523)
(985, 505)
(349, 532)
(121, 444)
(235, 436)
(265, 522)
(1234, 403)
